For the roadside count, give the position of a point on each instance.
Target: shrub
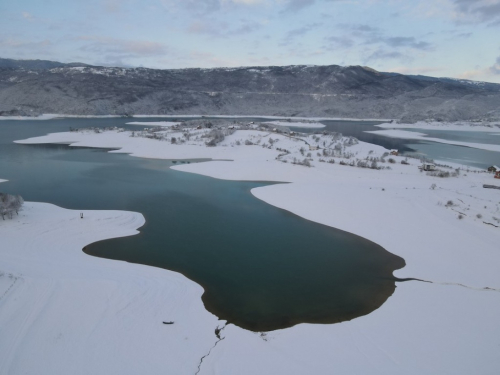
(10, 204)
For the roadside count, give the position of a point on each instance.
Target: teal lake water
(262, 268)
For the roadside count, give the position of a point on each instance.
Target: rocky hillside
(30, 87)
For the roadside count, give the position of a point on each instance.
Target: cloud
(360, 28)
(410, 42)
(222, 29)
(27, 16)
(297, 5)
(478, 11)
(112, 6)
(192, 6)
(336, 42)
(382, 54)
(495, 69)
(22, 44)
(23, 48)
(296, 33)
(120, 48)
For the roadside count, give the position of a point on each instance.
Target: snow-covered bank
(298, 124)
(49, 116)
(424, 328)
(62, 311)
(268, 117)
(404, 134)
(455, 126)
(41, 117)
(153, 123)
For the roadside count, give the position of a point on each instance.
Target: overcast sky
(444, 38)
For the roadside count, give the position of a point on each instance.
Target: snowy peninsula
(446, 229)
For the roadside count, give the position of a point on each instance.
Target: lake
(262, 268)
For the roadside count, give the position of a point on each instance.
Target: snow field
(448, 325)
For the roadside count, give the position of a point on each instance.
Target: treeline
(10, 204)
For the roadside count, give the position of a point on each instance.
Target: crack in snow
(217, 334)
(481, 289)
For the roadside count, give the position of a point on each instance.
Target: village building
(428, 167)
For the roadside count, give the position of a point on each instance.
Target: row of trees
(10, 204)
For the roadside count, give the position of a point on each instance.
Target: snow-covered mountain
(30, 87)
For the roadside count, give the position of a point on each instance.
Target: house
(394, 152)
(493, 168)
(313, 148)
(497, 174)
(428, 167)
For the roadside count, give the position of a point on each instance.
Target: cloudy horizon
(443, 38)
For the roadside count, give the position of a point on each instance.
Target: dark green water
(262, 268)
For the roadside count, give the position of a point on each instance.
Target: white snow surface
(41, 117)
(64, 312)
(404, 134)
(456, 126)
(153, 123)
(297, 124)
(447, 326)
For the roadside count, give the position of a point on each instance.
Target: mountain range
(33, 87)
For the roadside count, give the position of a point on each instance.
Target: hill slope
(29, 87)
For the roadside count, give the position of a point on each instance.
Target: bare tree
(10, 204)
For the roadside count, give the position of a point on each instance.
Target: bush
(10, 204)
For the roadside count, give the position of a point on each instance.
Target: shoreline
(404, 134)
(457, 126)
(397, 209)
(54, 296)
(50, 116)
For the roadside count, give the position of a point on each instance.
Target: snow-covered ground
(490, 127)
(404, 134)
(297, 124)
(64, 312)
(153, 123)
(445, 228)
(41, 117)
